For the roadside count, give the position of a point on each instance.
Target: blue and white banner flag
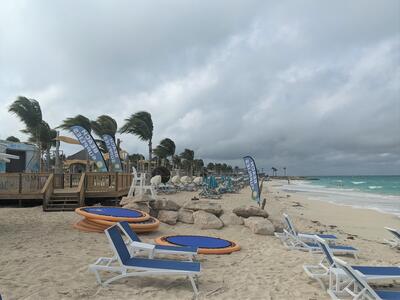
(115, 160)
(87, 141)
(253, 177)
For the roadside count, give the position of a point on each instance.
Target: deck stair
(63, 200)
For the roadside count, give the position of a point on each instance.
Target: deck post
(116, 181)
(20, 183)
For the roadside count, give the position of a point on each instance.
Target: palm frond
(78, 120)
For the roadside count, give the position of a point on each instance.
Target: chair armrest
(143, 246)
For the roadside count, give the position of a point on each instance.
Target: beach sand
(43, 257)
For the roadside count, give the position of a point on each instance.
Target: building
(28, 157)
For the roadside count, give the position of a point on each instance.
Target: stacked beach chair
(99, 218)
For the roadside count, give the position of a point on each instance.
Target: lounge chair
(327, 269)
(137, 245)
(395, 242)
(305, 236)
(128, 266)
(294, 242)
(358, 288)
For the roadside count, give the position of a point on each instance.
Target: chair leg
(195, 290)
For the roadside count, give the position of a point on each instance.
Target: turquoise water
(384, 185)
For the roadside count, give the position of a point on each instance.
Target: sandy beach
(43, 257)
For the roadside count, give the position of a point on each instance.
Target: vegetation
(13, 139)
(38, 130)
(141, 125)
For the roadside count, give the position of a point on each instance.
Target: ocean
(381, 193)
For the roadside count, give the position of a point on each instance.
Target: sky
(313, 86)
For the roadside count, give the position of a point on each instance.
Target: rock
(140, 206)
(278, 224)
(125, 200)
(259, 225)
(185, 216)
(142, 198)
(164, 204)
(205, 205)
(231, 219)
(206, 220)
(168, 216)
(250, 211)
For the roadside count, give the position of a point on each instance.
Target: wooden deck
(63, 188)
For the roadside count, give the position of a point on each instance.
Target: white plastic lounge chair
(128, 266)
(305, 236)
(137, 245)
(327, 268)
(358, 288)
(395, 241)
(294, 242)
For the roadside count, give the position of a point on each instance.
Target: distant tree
(187, 157)
(284, 171)
(141, 125)
(218, 168)
(236, 169)
(134, 159)
(13, 139)
(274, 170)
(176, 162)
(165, 149)
(210, 166)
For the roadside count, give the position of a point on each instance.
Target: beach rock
(278, 224)
(164, 204)
(185, 216)
(205, 205)
(168, 216)
(231, 219)
(206, 220)
(139, 206)
(250, 211)
(126, 200)
(259, 225)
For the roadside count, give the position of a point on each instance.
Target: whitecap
(372, 187)
(358, 182)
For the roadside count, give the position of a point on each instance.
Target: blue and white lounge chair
(294, 242)
(395, 241)
(137, 245)
(128, 266)
(358, 288)
(304, 236)
(327, 268)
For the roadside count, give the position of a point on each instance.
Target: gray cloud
(310, 85)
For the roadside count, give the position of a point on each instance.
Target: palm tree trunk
(150, 150)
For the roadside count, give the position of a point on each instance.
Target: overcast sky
(310, 85)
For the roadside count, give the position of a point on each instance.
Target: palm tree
(30, 113)
(187, 156)
(13, 139)
(140, 124)
(78, 120)
(284, 171)
(165, 149)
(104, 125)
(274, 171)
(176, 162)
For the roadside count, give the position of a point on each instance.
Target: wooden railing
(107, 182)
(62, 181)
(22, 183)
(81, 189)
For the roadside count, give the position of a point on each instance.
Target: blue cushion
(198, 241)
(119, 243)
(334, 247)
(113, 212)
(163, 264)
(380, 271)
(389, 295)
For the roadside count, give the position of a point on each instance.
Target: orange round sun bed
(150, 224)
(205, 244)
(82, 226)
(115, 214)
